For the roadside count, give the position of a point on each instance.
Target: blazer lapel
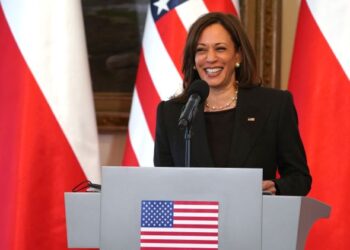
(251, 114)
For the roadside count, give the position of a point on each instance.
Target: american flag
(170, 225)
(159, 73)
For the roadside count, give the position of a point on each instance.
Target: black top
(219, 132)
(265, 135)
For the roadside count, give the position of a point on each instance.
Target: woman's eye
(200, 49)
(221, 48)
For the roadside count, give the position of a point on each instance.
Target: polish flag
(159, 73)
(48, 136)
(320, 82)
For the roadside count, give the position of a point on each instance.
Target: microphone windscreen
(200, 88)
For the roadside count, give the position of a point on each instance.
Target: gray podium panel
(111, 219)
(288, 219)
(238, 192)
(83, 219)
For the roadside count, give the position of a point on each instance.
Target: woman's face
(216, 57)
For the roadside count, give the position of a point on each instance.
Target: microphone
(198, 92)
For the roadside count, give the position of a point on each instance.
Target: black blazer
(265, 136)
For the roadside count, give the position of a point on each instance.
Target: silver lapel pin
(251, 119)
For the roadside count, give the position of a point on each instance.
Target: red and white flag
(48, 136)
(320, 82)
(159, 73)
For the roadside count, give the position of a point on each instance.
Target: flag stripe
(176, 248)
(196, 203)
(221, 6)
(190, 11)
(196, 214)
(194, 222)
(193, 207)
(178, 237)
(194, 226)
(174, 40)
(182, 218)
(171, 248)
(130, 158)
(329, 27)
(149, 98)
(175, 241)
(189, 210)
(184, 246)
(142, 132)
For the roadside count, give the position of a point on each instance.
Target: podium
(246, 219)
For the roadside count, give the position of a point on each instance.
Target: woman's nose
(211, 56)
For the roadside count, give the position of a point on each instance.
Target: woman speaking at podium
(240, 124)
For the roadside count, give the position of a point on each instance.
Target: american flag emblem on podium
(167, 225)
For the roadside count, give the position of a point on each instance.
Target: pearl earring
(194, 67)
(237, 64)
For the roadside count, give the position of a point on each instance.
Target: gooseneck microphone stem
(197, 93)
(188, 146)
